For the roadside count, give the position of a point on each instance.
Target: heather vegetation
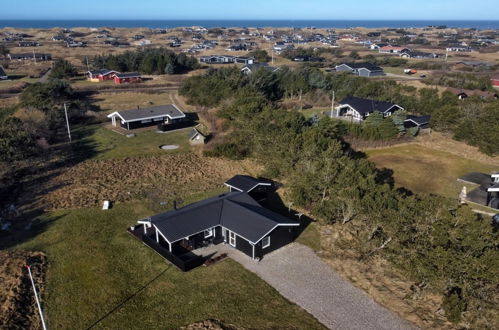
(442, 246)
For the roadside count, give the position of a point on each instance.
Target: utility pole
(34, 56)
(332, 105)
(67, 121)
(36, 298)
(88, 67)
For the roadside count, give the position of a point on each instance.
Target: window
(146, 121)
(208, 233)
(266, 242)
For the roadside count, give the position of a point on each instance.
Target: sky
(252, 9)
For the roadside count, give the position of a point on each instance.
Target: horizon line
(248, 19)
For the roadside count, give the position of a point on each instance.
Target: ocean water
(45, 24)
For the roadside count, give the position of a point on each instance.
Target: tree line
(147, 61)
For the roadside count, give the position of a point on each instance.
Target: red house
(495, 81)
(130, 77)
(101, 75)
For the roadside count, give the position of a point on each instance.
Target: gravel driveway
(303, 278)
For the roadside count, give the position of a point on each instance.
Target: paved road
(303, 278)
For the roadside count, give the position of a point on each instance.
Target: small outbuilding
(196, 137)
(361, 69)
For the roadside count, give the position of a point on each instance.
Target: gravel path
(303, 278)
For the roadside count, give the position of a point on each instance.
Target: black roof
(364, 65)
(236, 211)
(419, 120)
(128, 75)
(364, 106)
(246, 183)
(168, 110)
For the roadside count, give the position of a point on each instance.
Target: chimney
(138, 108)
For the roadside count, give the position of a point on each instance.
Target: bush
(227, 150)
(62, 69)
(454, 306)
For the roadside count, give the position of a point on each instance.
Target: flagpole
(36, 298)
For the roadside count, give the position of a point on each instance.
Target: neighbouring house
(250, 68)
(196, 137)
(393, 49)
(101, 75)
(142, 117)
(244, 60)
(422, 122)
(3, 75)
(358, 109)
(377, 46)
(413, 54)
(361, 69)
(459, 49)
(495, 81)
(129, 77)
(234, 218)
(30, 56)
(223, 59)
(465, 93)
(217, 59)
(28, 44)
(487, 192)
(305, 58)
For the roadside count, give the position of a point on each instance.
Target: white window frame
(265, 244)
(208, 233)
(232, 238)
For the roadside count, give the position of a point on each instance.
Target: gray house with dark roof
(361, 69)
(141, 117)
(234, 218)
(358, 109)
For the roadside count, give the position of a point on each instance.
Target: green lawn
(99, 275)
(426, 170)
(109, 144)
(313, 111)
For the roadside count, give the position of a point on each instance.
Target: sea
(165, 24)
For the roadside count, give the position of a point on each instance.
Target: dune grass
(101, 276)
(426, 170)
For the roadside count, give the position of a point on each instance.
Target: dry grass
(426, 170)
(120, 180)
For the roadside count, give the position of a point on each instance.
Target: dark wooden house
(234, 218)
(142, 117)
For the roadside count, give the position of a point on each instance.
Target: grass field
(426, 170)
(100, 276)
(109, 144)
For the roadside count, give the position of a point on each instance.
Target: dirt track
(89, 183)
